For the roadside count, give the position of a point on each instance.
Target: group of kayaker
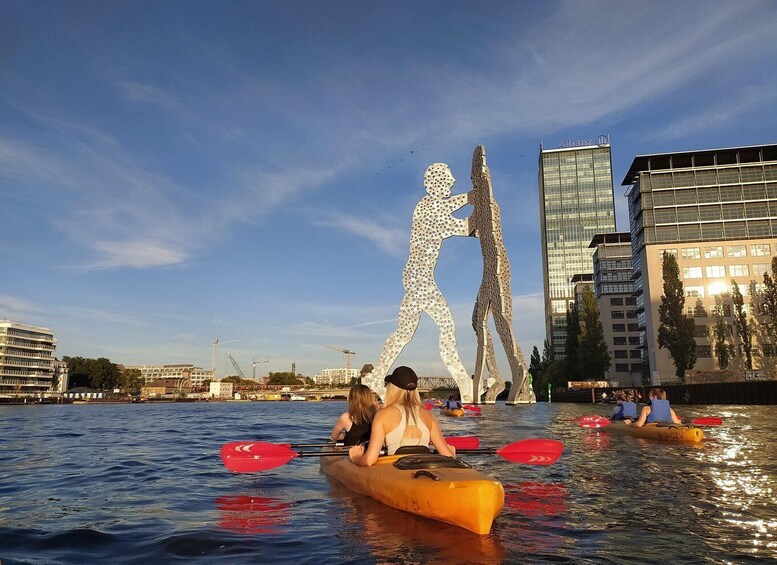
(402, 422)
(656, 410)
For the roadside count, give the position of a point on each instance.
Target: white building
(219, 389)
(196, 375)
(26, 359)
(336, 377)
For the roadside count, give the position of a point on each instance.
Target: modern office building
(716, 211)
(26, 359)
(332, 377)
(614, 291)
(576, 203)
(196, 375)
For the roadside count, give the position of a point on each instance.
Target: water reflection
(251, 514)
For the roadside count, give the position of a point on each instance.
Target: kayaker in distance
(403, 421)
(658, 410)
(452, 404)
(355, 425)
(626, 408)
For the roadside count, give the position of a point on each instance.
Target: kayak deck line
(659, 431)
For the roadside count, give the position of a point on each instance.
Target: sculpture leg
(496, 383)
(519, 392)
(441, 314)
(409, 316)
(479, 319)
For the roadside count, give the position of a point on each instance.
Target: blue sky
(176, 172)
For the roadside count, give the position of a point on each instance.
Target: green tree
(768, 306)
(547, 355)
(131, 381)
(721, 340)
(572, 345)
(675, 332)
(593, 358)
(742, 325)
(284, 378)
(97, 373)
(535, 365)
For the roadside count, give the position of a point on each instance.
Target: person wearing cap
(403, 421)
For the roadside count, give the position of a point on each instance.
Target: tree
(721, 336)
(547, 355)
(535, 365)
(742, 325)
(675, 332)
(284, 378)
(97, 373)
(768, 304)
(592, 356)
(131, 381)
(572, 344)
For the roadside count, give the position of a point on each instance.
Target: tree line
(101, 374)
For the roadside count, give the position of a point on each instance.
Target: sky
(177, 172)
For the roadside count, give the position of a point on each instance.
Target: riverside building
(196, 375)
(614, 291)
(26, 359)
(716, 211)
(576, 203)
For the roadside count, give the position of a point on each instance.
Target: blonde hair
(658, 394)
(407, 400)
(361, 404)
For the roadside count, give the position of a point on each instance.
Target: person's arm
(675, 419)
(642, 417)
(377, 436)
(438, 441)
(341, 426)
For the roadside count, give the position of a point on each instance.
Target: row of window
(718, 271)
(619, 328)
(676, 179)
(716, 251)
(624, 367)
(621, 340)
(624, 354)
(617, 301)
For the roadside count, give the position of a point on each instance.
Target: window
(692, 273)
(760, 250)
(736, 251)
(621, 367)
(621, 354)
(635, 354)
(636, 367)
(694, 292)
(618, 315)
(715, 271)
(631, 313)
(700, 331)
(633, 327)
(691, 253)
(631, 301)
(713, 252)
(634, 340)
(760, 268)
(619, 341)
(703, 351)
(669, 252)
(738, 271)
(616, 301)
(618, 328)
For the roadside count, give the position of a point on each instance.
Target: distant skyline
(174, 173)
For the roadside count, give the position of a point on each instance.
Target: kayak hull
(663, 432)
(462, 497)
(457, 412)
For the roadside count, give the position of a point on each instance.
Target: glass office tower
(576, 203)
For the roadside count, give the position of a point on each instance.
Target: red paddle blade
(532, 451)
(463, 442)
(428, 405)
(250, 457)
(471, 408)
(592, 421)
(711, 421)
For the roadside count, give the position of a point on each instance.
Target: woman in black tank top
(354, 427)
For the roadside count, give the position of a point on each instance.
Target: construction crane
(213, 359)
(254, 363)
(347, 352)
(236, 366)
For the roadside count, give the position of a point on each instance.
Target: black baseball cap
(403, 377)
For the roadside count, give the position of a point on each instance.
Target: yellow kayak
(419, 484)
(452, 411)
(665, 432)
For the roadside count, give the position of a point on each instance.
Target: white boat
(298, 397)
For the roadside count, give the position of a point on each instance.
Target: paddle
(709, 421)
(250, 457)
(459, 442)
(428, 405)
(471, 408)
(592, 421)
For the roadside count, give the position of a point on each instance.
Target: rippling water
(130, 483)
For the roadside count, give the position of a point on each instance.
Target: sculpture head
(439, 180)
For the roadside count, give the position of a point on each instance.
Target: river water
(131, 483)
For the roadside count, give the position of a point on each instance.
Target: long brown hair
(361, 404)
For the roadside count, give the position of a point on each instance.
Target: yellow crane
(347, 352)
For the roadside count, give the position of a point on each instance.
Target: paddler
(657, 410)
(355, 425)
(452, 403)
(403, 421)
(626, 408)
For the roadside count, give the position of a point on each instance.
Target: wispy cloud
(14, 305)
(390, 240)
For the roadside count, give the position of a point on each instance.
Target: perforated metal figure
(433, 221)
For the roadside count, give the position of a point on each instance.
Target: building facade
(576, 203)
(26, 359)
(336, 377)
(716, 211)
(196, 375)
(614, 289)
